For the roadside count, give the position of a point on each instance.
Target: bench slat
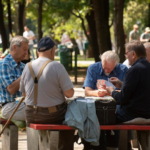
(102, 127)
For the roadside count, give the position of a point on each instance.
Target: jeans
(31, 51)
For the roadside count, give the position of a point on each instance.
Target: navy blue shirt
(95, 72)
(134, 97)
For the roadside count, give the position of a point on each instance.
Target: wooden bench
(42, 132)
(9, 136)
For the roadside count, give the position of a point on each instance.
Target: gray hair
(110, 56)
(17, 41)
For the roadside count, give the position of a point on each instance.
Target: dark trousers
(102, 141)
(42, 116)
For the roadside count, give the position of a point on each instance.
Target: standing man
(30, 36)
(105, 69)
(145, 37)
(134, 34)
(10, 73)
(53, 85)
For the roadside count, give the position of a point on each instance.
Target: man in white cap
(145, 37)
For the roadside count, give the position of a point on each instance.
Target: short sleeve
(7, 75)
(89, 80)
(22, 85)
(63, 77)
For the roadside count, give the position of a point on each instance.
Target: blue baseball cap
(45, 44)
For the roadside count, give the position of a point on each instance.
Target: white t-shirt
(126, 63)
(53, 82)
(29, 34)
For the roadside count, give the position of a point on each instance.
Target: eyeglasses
(126, 53)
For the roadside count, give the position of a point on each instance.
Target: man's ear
(14, 47)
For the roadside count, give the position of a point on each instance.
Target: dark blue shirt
(95, 72)
(134, 97)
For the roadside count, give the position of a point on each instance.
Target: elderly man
(47, 101)
(134, 34)
(134, 96)
(10, 73)
(105, 69)
(147, 47)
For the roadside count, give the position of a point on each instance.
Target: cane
(11, 116)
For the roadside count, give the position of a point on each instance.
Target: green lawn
(80, 58)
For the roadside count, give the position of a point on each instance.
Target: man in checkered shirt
(11, 69)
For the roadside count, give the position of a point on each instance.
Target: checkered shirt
(9, 72)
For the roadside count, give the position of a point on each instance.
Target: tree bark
(148, 14)
(40, 33)
(2, 28)
(9, 17)
(21, 9)
(101, 14)
(118, 29)
(93, 35)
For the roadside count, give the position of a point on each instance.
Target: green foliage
(136, 12)
(58, 16)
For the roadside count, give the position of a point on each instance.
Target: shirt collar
(102, 71)
(140, 59)
(13, 62)
(43, 58)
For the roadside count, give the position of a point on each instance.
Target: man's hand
(109, 89)
(101, 93)
(116, 82)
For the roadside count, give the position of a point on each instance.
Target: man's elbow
(70, 93)
(11, 92)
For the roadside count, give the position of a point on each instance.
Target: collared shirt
(95, 72)
(9, 72)
(134, 97)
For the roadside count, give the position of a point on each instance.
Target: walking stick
(11, 115)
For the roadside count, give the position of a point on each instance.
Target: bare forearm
(91, 93)
(14, 86)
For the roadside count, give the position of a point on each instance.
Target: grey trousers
(8, 109)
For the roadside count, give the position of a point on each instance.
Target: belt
(51, 109)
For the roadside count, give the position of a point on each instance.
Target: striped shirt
(9, 72)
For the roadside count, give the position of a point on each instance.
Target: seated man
(134, 96)
(54, 84)
(11, 69)
(105, 69)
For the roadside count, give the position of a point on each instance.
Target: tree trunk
(40, 33)
(2, 28)
(101, 14)
(9, 17)
(93, 35)
(118, 29)
(148, 14)
(21, 9)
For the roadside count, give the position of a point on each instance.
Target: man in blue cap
(45, 92)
